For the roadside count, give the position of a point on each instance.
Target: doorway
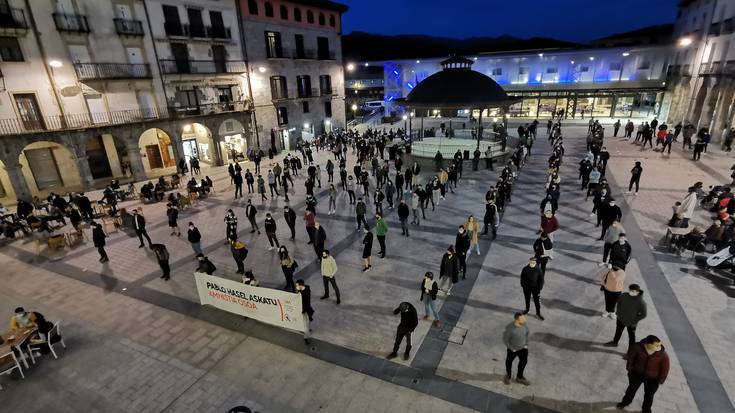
(99, 164)
(190, 149)
(43, 168)
(154, 156)
(29, 111)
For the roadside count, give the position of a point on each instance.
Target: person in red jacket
(648, 364)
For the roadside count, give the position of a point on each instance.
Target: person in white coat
(686, 209)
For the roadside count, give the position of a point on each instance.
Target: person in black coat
(367, 249)
(205, 265)
(320, 236)
(542, 250)
(237, 180)
(162, 257)
(290, 216)
(461, 246)
(620, 252)
(449, 270)
(409, 321)
(429, 290)
(195, 238)
(532, 281)
(306, 309)
(250, 212)
(98, 238)
(139, 226)
(608, 214)
(85, 206)
(491, 217)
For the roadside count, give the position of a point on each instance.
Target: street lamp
(55, 64)
(685, 41)
(405, 123)
(350, 67)
(262, 69)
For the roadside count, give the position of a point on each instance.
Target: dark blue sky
(572, 20)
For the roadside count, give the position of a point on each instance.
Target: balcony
(71, 23)
(327, 91)
(96, 71)
(219, 33)
(307, 93)
(710, 69)
(197, 67)
(277, 95)
(12, 19)
(728, 26)
(127, 27)
(305, 54)
(326, 55)
(196, 31)
(714, 29)
(22, 125)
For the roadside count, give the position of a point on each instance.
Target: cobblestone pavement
(139, 344)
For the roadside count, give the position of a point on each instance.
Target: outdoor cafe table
(16, 339)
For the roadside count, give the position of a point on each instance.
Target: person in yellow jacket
(473, 230)
(329, 270)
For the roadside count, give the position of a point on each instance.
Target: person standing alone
(329, 270)
(532, 282)
(515, 338)
(409, 321)
(647, 364)
(635, 177)
(98, 238)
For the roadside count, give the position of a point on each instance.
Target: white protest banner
(270, 306)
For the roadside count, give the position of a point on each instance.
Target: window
(297, 14)
(303, 84)
(187, 98)
(268, 9)
(10, 50)
(325, 84)
(616, 66)
(322, 21)
(29, 111)
(644, 65)
(305, 106)
(309, 16)
(322, 46)
(282, 114)
(522, 70)
(284, 12)
(273, 45)
(300, 52)
(279, 89)
(224, 94)
(498, 71)
(253, 7)
(552, 70)
(332, 21)
(328, 109)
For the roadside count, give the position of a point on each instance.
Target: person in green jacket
(381, 228)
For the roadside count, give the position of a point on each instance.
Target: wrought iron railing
(75, 23)
(25, 124)
(90, 71)
(12, 18)
(219, 32)
(128, 27)
(173, 66)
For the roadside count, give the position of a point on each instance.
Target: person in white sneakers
(612, 282)
(270, 231)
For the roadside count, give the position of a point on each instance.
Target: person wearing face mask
(461, 246)
(195, 238)
(631, 310)
(306, 310)
(231, 225)
(620, 252)
(532, 281)
(542, 249)
(635, 177)
(549, 224)
(288, 266)
(367, 249)
(329, 270)
(601, 198)
(515, 338)
(611, 283)
(608, 215)
(611, 237)
(648, 364)
(429, 289)
(448, 271)
(22, 319)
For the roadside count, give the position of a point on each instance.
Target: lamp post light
(405, 123)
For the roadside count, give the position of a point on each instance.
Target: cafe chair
(8, 363)
(46, 340)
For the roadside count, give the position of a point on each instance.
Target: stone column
(85, 172)
(719, 119)
(217, 151)
(136, 163)
(20, 186)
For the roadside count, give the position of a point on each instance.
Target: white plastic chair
(8, 363)
(46, 340)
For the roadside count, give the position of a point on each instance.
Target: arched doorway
(49, 167)
(197, 141)
(105, 156)
(233, 141)
(157, 151)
